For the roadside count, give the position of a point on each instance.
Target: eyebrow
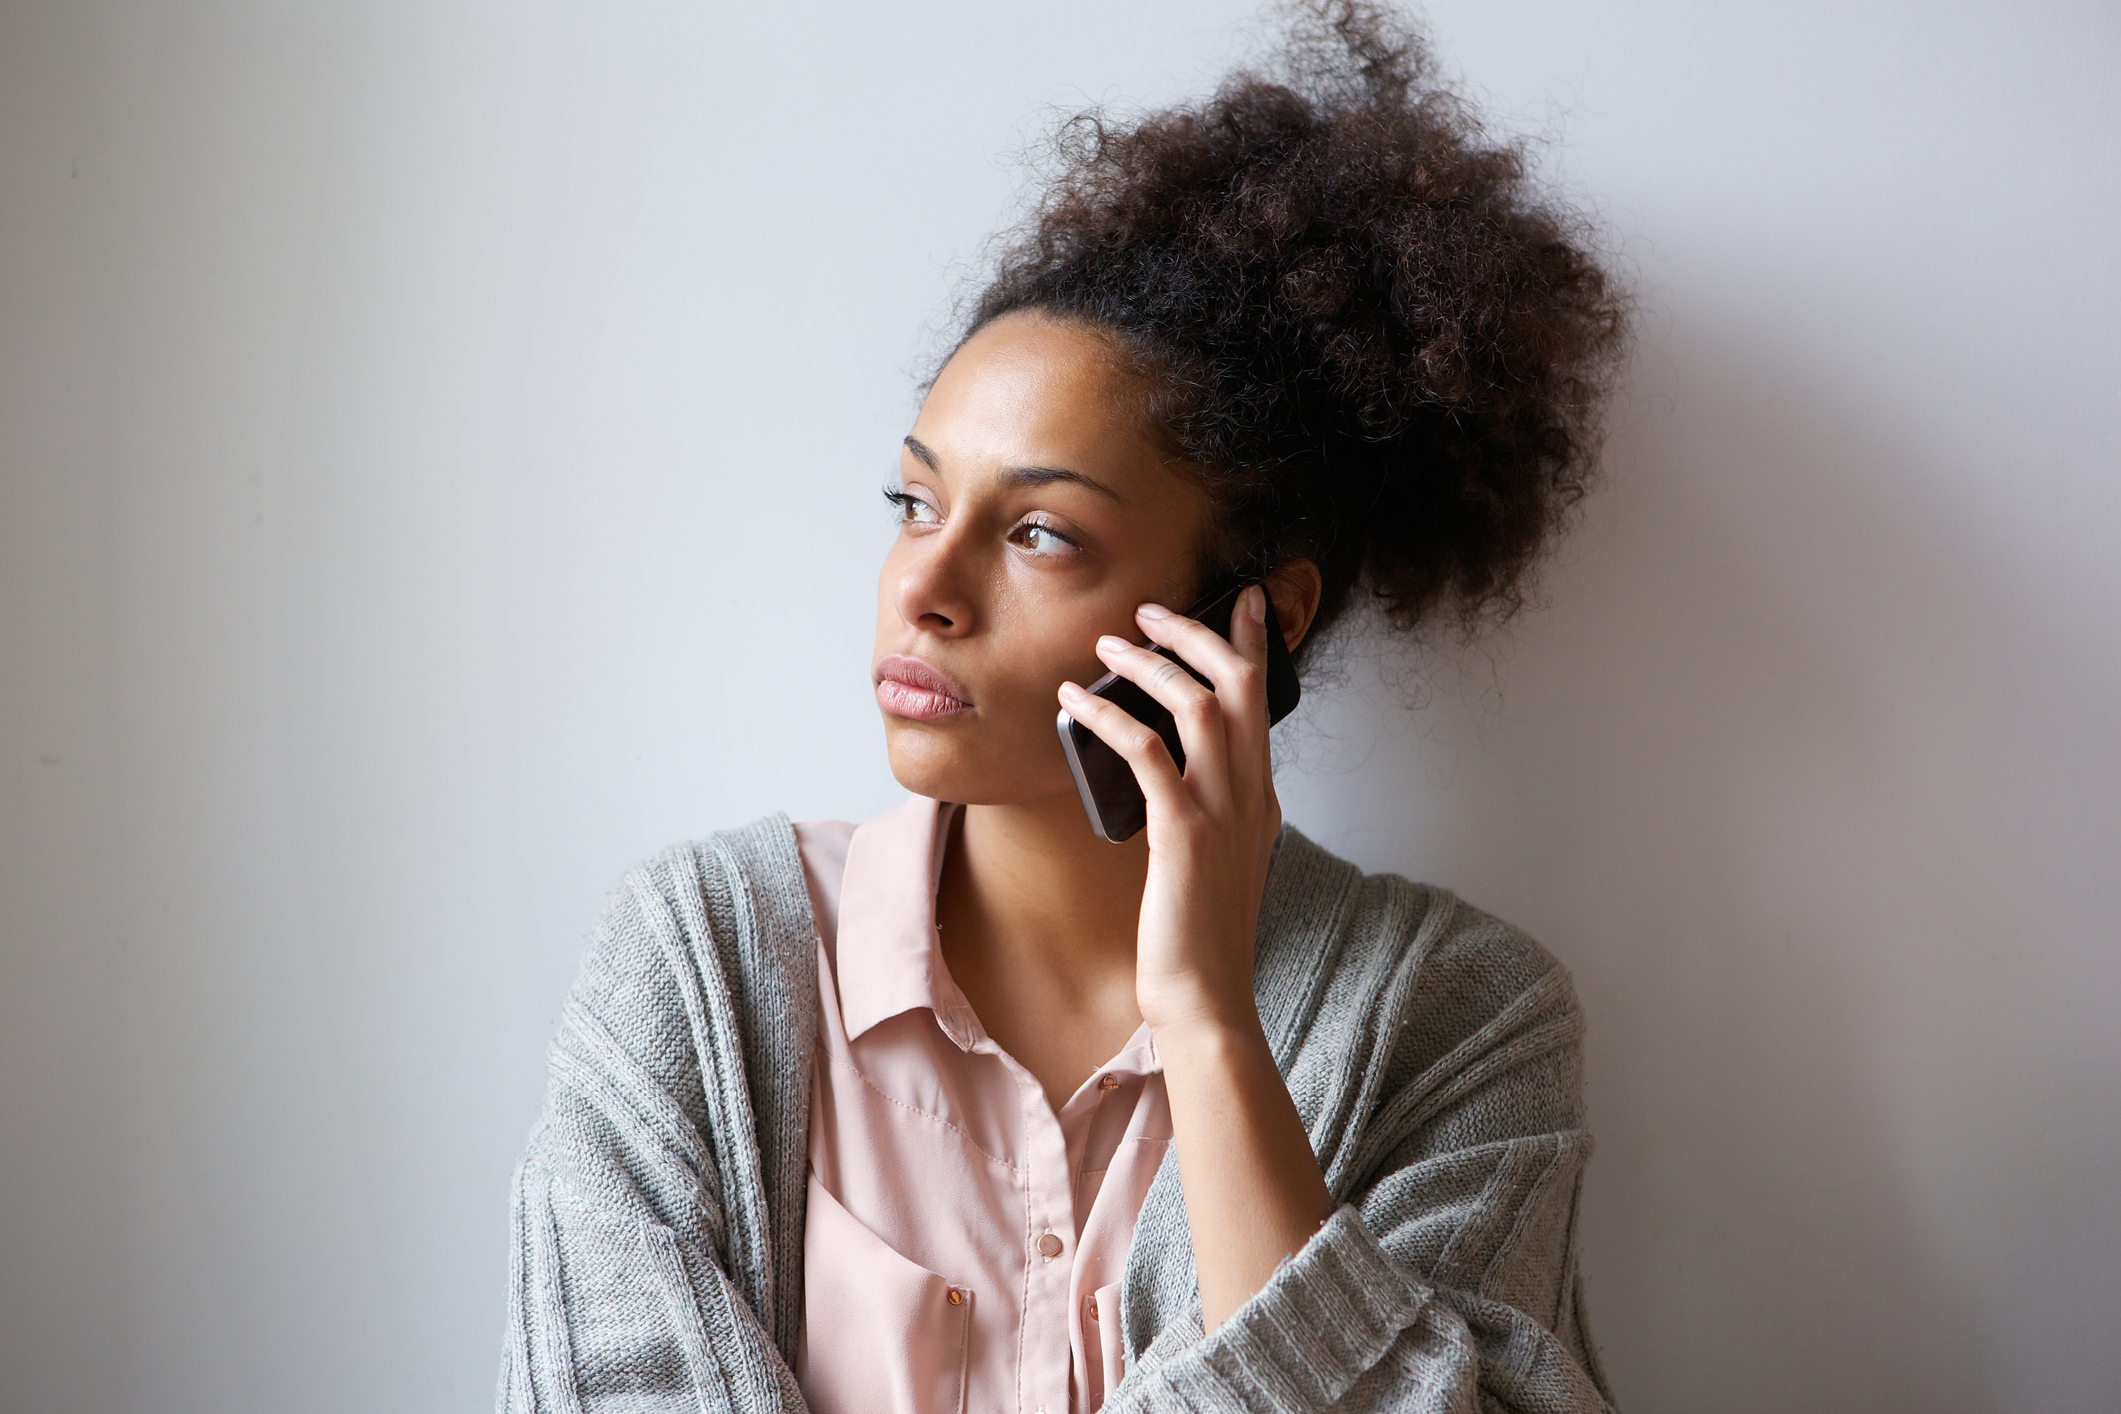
(1021, 475)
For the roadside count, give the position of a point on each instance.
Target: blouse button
(1092, 1303)
(1110, 1082)
(1049, 1246)
(957, 1298)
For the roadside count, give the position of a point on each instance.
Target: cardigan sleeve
(1446, 1283)
(637, 1197)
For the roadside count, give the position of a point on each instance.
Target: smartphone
(1111, 796)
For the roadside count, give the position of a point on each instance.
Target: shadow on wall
(1744, 775)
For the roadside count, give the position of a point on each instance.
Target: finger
(1197, 710)
(1137, 744)
(1207, 652)
(1245, 706)
(1238, 668)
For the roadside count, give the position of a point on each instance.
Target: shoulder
(729, 910)
(760, 856)
(1324, 915)
(1380, 961)
(744, 881)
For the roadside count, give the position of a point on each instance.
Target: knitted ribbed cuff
(1328, 1315)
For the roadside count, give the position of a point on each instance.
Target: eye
(1041, 539)
(912, 509)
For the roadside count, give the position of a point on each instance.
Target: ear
(1295, 588)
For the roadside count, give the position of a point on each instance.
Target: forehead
(1032, 391)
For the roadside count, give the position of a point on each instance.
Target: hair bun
(1385, 349)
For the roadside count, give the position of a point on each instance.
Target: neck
(1044, 896)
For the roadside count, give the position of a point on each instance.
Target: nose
(929, 594)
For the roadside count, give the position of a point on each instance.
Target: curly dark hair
(1379, 345)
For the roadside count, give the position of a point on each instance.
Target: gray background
(438, 458)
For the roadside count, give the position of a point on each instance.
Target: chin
(943, 764)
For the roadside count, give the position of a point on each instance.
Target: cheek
(1042, 646)
(887, 575)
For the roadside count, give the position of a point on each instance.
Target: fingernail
(1257, 605)
(1152, 611)
(1070, 692)
(1108, 644)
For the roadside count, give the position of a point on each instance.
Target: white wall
(438, 450)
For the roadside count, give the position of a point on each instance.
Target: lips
(907, 687)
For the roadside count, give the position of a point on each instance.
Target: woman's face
(1036, 515)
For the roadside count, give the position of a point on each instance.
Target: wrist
(1212, 1040)
(1193, 1004)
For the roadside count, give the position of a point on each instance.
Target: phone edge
(1066, 726)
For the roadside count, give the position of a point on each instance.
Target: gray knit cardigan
(1434, 1053)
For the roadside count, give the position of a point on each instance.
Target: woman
(970, 1109)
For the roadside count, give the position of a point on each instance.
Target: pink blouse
(964, 1243)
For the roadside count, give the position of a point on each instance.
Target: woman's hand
(1211, 828)
(1254, 1192)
